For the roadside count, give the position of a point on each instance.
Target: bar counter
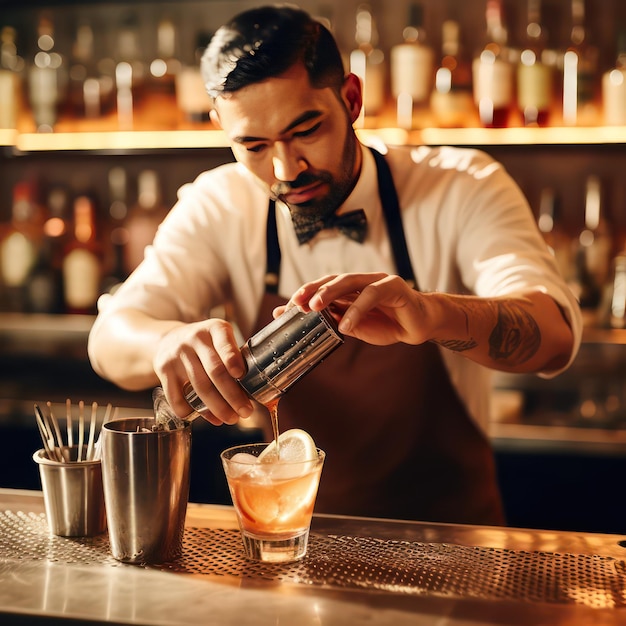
(357, 571)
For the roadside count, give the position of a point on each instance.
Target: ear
(215, 118)
(352, 95)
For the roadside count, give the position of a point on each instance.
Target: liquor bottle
(11, 69)
(165, 67)
(18, 248)
(555, 237)
(412, 67)
(535, 81)
(130, 71)
(617, 317)
(144, 218)
(90, 92)
(82, 261)
(593, 254)
(45, 282)
(493, 72)
(614, 87)
(368, 63)
(129, 51)
(191, 96)
(596, 237)
(46, 78)
(580, 73)
(451, 101)
(116, 273)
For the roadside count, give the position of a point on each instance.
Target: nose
(287, 164)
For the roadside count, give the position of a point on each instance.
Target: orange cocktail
(274, 495)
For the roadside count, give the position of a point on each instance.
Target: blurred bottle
(46, 78)
(130, 71)
(617, 317)
(45, 282)
(191, 95)
(493, 72)
(143, 218)
(593, 254)
(165, 66)
(90, 92)
(451, 101)
(115, 272)
(11, 70)
(367, 61)
(82, 263)
(596, 237)
(535, 79)
(124, 97)
(118, 194)
(614, 87)
(549, 224)
(580, 73)
(18, 248)
(412, 67)
(129, 51)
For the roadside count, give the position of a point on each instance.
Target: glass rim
(117, 426)
(321, 455)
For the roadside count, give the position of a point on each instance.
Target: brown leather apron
(399, 443)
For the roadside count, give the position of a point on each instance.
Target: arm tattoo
(460, 345)
(516, 337)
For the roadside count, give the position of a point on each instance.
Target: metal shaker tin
(281, 353)
(285, 350)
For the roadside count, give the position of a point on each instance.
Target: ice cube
(283, 468)
(242, 463)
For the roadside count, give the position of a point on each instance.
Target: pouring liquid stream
(272, 407)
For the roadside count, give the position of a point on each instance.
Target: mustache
(304, 179)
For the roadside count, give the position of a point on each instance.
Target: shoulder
(445, 173)
(228, 187)
(219, 180)
(442, 160)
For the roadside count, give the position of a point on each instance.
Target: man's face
(297, 140)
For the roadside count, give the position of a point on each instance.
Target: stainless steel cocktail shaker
(281, 353)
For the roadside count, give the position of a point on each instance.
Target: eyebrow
(305, 117)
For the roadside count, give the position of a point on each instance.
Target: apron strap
(393, 218)
(272, 268)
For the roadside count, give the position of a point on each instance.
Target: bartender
(430, 257)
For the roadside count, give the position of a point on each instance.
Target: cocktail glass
(273, 500)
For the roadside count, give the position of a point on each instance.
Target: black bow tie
(352, 224)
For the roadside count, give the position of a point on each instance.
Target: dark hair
(265, 42)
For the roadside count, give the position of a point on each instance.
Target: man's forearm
(122, 347)
(523, 334)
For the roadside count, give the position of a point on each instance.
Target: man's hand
(518, 333)
(375, 307)
(206, 355)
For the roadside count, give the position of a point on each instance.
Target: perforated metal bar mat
(334, 561)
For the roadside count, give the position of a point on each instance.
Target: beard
(339, 186)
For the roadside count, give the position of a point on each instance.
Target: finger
(278, 311)
(224, 342)
(388, 293)
(216, 407)
(172, 388)
(341, 286)
(301, 297)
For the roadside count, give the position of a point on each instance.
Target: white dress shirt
(468, 227)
